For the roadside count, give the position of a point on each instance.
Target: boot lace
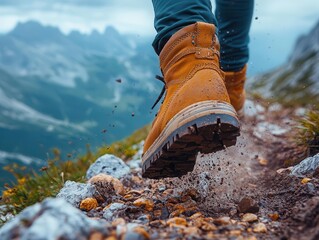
(162, 92)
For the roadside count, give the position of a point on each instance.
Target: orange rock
(208, 226)
(177, 221)
(305, 180)
(96, 236)
(176, 213)
(147, 204)
(263, 161)
(236, 233)
(88, 204)
(260, 228)
(196, 215)
(191, 231)
(105, 181)
(249, 217)
(118, 221)
(222, 221)
(274, 216)
(143, 232)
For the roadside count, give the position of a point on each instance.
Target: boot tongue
(198, 35)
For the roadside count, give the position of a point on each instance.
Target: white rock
(306, 167)
(74, 192)
(252, 109)
(110, 165)
(113, 210)
(273, 129)
(50, 220)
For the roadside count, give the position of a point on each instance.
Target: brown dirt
(205, 204)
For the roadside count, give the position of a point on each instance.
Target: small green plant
(308, 132)
(33, 186)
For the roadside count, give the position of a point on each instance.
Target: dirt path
(233, 194)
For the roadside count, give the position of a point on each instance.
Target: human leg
(196, 114)
(172, 15)
(234, 20)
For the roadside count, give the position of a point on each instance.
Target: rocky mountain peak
(33, 32)
(306, 44)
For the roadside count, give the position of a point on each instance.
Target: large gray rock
(108, 164)
(307, 167)
(50, 220)
(74, 192)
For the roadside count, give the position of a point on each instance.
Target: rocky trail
(243, 192)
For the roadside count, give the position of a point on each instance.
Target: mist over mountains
(67, 91)
(296, 81)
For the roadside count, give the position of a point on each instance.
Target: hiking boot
(235, 82)
(196, 114)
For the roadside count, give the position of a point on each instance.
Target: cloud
(84, 15)
(137, 16)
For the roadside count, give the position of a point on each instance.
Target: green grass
(33, 186)
(308, 132)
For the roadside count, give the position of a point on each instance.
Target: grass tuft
(33, 186)
(308, 132)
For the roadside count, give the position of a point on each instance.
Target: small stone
(141, 231)
(107, 185)
(96, 236)
(118, 221)
(191, 231)
(208, 226)
(88, 204)
(249, 217)
(236, 233)
(274, 216)
(222, 221)
(196, 215)
(177, 221)
(284, 170)
(260, 228)
(147, 204)
(248, 205)
(263, 161)
(305, 180)
(113, 211)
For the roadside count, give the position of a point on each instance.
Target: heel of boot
(206, 127)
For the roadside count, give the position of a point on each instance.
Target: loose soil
(237, 193)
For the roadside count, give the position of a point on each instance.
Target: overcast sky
(280, 21)
(136, 16)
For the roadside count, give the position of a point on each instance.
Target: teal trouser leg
(172, 15)
(233, 21)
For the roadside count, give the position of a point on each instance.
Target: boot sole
(205, 127)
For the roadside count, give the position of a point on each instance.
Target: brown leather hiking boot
(196, 114)
(235, 82)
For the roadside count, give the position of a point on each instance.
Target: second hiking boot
(196, 114)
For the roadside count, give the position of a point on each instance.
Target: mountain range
(67, 91)
(297, 81)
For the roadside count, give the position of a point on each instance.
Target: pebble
(248, 205)
(249, 217)
(222, 221)
(305, 180)
(177, 221)
(147, 204)
(273, 216)
(260, 228)
(88, 204)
